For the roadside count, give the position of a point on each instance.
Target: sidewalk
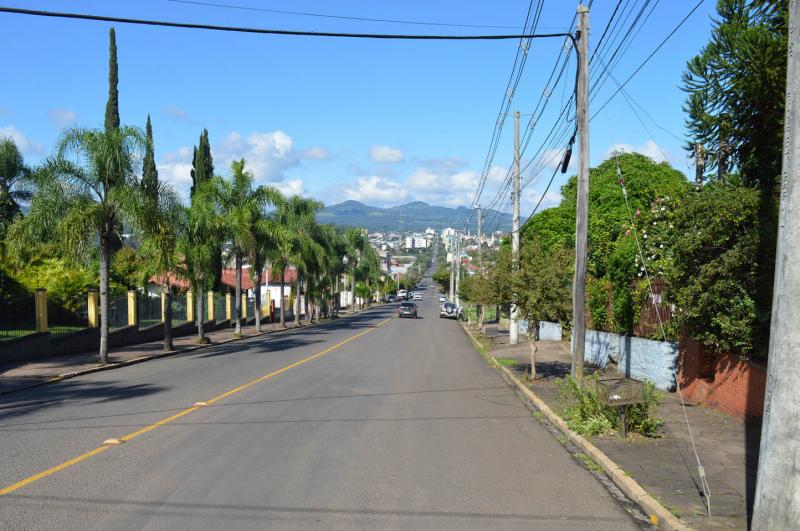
(664, 465)
(20, 375)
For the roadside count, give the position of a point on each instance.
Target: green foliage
(586, 415)
(66, 284)
(202, 162)
(714, 277)
(13, 175)
(149, 182)
(736, 88)
(597, 295)
(442, 277)
(544, 283)
(112, 105)
(127, 271)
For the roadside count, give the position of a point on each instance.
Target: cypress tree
(202, 163)
(150, 173)
(112, 106)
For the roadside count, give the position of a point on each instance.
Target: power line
(647, 59)
(340, 17)
(293, 33)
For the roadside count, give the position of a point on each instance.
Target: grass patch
(538, 415)
(506, 362)
(586, 415)
(588, 462)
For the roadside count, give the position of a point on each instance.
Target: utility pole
(480, 260)
(513, 327)
(582, 210)
(452, 269)
(457, 262)
(777, 499)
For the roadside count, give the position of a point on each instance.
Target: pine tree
(150, 173)
(112, 106)
(202, 163)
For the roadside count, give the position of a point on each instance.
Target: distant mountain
(414, 216)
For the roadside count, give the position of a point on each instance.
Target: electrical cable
(292, 33)
(340, 17)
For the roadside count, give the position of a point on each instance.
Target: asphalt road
(403, 426)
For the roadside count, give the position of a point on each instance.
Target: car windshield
(407, 305)
(449, 306)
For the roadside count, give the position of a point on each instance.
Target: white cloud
(376, 189)
(267, 155)
(290, 187)
(650, 149)
(530, 198)
(316, 153)
(385, 154)
(175, 169)
(62, 117)
(25, 145)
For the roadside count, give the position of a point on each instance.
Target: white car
(417, 296)
(442, 298)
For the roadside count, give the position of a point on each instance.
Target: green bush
(597, 303)
(586, 415)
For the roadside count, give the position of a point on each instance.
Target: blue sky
(384, 122)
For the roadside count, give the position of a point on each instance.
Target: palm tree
(81, 197)
(298, 216)
(13, 173)
(199, 245)
(157, 216)
(242, 207)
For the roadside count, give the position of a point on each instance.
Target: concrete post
(93, 308)
(40, 304)
(777, 499)
(189, 306)
(133, 309)
(228, 309)
(211, 313)
(513, 314)
(163, 306)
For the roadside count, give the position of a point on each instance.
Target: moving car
(417, 296)
(442, 298)
(407, 309)
(449, 311)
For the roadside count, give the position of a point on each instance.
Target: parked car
(390, 298)
(449, 311)
(401, 294)
(407, 309)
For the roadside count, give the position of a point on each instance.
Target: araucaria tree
(735, 103)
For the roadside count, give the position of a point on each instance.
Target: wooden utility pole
(582, 210)
(777, 499)
(513, 327)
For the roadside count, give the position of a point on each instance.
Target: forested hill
(414, 216)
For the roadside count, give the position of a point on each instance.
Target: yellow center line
(151, 427)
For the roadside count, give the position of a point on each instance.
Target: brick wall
(722, 381)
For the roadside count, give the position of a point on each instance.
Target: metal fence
(178, 309)
(117, 312)
(219, 308)
(17, 317)
(149, 311)
(67, 316)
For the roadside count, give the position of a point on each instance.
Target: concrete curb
(141, 359)
(657, 513)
